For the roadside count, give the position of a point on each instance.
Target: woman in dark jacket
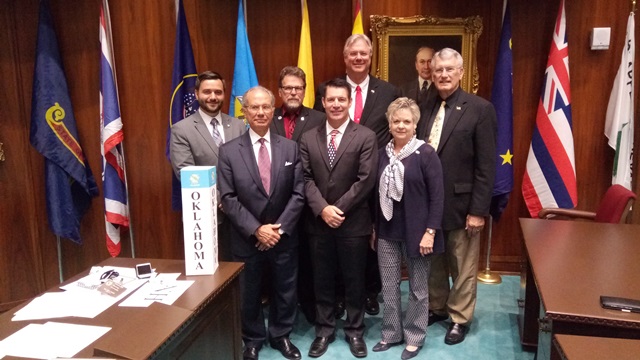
(410, 198)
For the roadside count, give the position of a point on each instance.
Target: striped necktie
(217, 139)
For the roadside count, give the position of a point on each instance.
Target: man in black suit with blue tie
(262, 191)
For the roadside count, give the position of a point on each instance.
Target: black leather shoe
(455, 334)
(434, 318)
(406, 354)
(250, 353)
(371, 306)
(320, 345)
(384, 346)
(286, 348)
(357, 346)
(339, 310)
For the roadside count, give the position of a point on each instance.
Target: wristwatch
(431, 232)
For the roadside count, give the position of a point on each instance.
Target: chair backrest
(615, 205)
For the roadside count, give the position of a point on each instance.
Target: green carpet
(493, 334)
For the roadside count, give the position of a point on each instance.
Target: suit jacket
(412, 90)
(381, 94)
(467, 152)
(245, 201)
(347, 185)
(308, 119)
(192, 143)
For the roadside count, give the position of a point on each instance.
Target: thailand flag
(550, 176)
(116, 209)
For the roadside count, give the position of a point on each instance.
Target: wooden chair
(615, 207)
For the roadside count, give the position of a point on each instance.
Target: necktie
(357, 112)
(217, 139)
(423, 91)
(264, 166)
(436, 130)
(332, 147)
(291, 127)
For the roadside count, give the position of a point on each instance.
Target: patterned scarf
(392, 179)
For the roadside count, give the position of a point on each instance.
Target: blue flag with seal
(502, 99)
(183, 84)
(244, 71)
(68, 179)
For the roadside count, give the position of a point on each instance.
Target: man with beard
(291, 120)
(196, 139)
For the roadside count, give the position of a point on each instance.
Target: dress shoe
(455, 334)
(371, 306)
(406, 354)
(434, 318)
(286, 348)
(320, 345)
(357, 346)
(250, 353)
(384, 346)
(339, 310)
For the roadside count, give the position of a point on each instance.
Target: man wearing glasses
(262, 190)
(462, 129)
(291, 120)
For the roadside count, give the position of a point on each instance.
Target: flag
(550, 175)
(68, 179)
(502, 99)
(183, 84)
(244, 71)
(305, 59)
(619, 122)
(358, 28)
(116, 208)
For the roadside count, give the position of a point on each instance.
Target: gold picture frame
(396, 40)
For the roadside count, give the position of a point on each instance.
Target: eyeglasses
(290, 89)
(256, 108)
(447, 70)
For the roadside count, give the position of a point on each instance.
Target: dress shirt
(255, 142)
(207, 121)
(364, 87)
(341, 131)
(421, 81)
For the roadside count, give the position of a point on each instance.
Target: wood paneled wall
(143, 36)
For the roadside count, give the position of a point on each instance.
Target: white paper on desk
(164, 289)
(51, 340)
(78, 302)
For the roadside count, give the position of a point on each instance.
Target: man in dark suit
(193, 141)
(370, 99)
(262, 190)
(340, 160)
(291, 120)
(419, 89)
(462, 128)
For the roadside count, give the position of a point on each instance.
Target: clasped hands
(268, 236)
(333, 216)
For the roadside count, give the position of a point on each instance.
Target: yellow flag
(357, 21)
(305, 59)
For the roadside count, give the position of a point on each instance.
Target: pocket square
(287, 163)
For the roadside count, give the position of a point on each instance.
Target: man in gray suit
(340, 159)
(196, 139)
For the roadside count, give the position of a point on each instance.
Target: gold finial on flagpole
(633, 6)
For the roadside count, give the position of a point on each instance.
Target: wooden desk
(203, 323)
(570, 347)
(571, 264)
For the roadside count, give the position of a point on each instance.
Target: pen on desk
(165, 288)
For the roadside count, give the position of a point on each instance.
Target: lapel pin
(279, 117)
(373, 91)
(302, 118)
(458, 108)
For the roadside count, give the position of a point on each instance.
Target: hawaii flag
(116, 208)
(619, 125)
(305, 58)
(550, 176)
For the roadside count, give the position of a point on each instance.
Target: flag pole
(126, 191)
(486, 276)
(59, 258)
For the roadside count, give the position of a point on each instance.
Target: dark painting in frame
(397, 39)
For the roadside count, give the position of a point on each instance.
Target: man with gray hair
(420, 89)
(262, 190)
(462, 128)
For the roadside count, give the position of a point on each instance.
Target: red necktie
(264, 166)
(357, 112)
